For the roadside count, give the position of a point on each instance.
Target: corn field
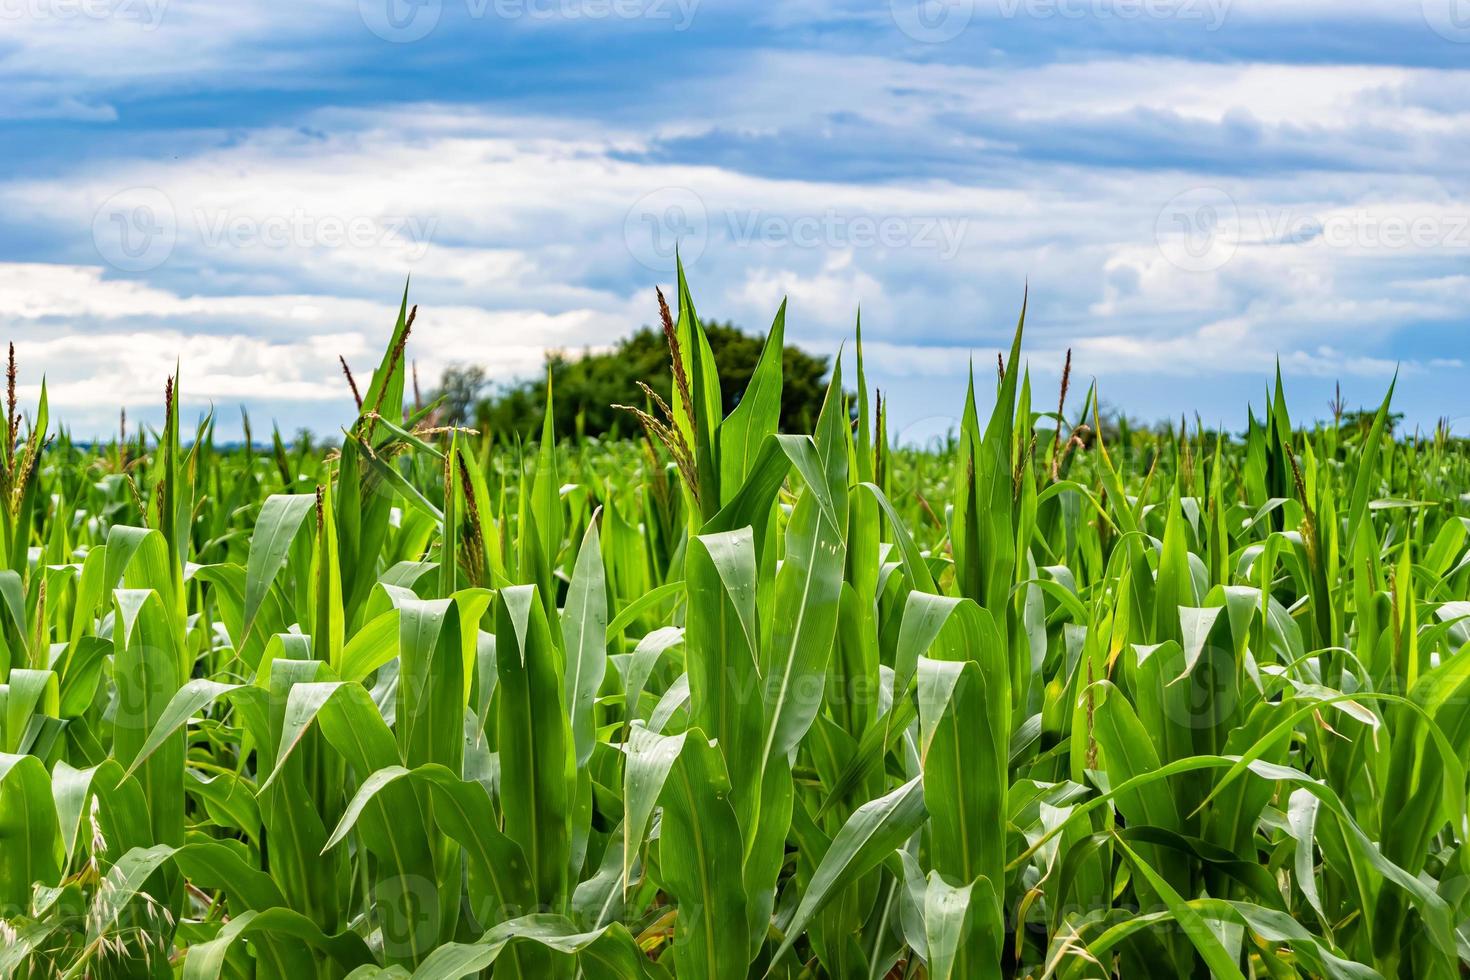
(725, 702)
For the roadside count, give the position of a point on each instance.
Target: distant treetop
(586, 386)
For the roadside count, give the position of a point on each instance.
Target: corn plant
(1047, 700)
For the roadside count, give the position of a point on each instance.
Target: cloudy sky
(1193, 189)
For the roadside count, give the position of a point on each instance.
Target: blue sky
(1193, 189)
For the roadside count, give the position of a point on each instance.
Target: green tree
(460, 386)
(587, 386)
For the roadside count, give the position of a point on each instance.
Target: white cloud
(104, 343)
(524, 233)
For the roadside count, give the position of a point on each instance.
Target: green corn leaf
(699, 857)
(29, 830)
(873, 832)
(584, 637)
(756, 416)
(537, 762)
(280, 518)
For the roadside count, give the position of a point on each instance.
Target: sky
(1193, 191)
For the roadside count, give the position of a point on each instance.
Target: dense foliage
(589, 385)
(723, 703)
